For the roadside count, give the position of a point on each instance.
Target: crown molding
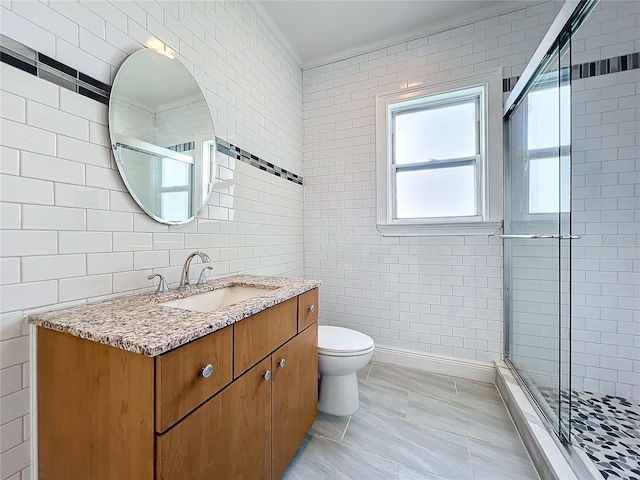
(277, 33)
(406, 36)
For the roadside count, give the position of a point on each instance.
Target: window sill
(427, 230)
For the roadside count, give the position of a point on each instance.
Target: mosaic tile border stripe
(246, 157)
(39, 65)
(606, 66)
(35, 63)
(183, 147)
(509, 83)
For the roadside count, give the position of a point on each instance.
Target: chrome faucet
(184, 276)
(163, 288)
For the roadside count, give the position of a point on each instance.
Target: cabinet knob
(207, 371)
(312, 308)
(282, 363)
(267, 375)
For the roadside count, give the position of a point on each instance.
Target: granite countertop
(138, 323)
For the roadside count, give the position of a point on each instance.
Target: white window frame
(553, 152)
(488, 166)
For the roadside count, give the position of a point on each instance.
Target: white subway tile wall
(70, 232)
(172, 123)
(535, 302)
(134, 121)
(606, 207)
(441, 295)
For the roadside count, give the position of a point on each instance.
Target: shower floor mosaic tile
(607, 428)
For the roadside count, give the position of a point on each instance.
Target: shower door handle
(568, 237)
(533, 235)
(543, 235)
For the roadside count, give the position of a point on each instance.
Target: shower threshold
(553, 458)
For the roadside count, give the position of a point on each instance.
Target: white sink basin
(209, 301)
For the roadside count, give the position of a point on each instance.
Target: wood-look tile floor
(414, 425)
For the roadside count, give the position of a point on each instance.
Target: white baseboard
(441, 364)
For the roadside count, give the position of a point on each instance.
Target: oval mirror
(162, 136)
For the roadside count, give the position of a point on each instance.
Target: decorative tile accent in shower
(607, 428)
(605, 66)
(183, 147)
(35, 63)
(509, 83)
(591, 69)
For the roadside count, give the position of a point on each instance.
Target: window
(179, 198)
(434, 145)
(548, 140)
(175, 185)
(439, 158)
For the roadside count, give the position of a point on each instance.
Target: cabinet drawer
(257, 336)
(180, 383)
(307, 309)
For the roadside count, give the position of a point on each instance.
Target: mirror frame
(113, 135)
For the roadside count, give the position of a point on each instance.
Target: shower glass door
(536, 237)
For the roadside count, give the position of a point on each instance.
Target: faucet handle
(202, 279)
(163, 288)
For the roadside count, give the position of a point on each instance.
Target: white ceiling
(317, 32)
(156, 82)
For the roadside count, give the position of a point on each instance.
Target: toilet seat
(329, 353)
(343, 342)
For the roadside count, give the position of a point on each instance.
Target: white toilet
(341, 353)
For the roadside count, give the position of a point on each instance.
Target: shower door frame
(570, 17)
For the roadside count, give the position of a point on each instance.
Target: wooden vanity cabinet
(107, 413)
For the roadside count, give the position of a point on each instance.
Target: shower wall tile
(441, 295)
(606, 281)
(9, 271)
(70, 231)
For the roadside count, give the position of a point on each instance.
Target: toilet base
(339, 394)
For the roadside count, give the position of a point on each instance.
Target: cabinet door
(229, 437)
(295, 395)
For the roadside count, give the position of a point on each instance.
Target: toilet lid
(342, 340)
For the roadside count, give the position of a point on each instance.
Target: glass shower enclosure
(572, 233)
